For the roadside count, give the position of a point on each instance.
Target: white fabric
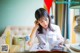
(49, 38)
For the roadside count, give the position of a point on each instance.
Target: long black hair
(40, 13)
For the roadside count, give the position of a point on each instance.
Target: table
(35, 46)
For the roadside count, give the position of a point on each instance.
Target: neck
(45, 28)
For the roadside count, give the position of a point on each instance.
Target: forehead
(42, 18)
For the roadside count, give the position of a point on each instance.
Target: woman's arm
(32, 35)
(60, 37)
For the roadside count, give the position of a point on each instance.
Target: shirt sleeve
(59, 35)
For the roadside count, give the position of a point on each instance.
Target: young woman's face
(44, 21)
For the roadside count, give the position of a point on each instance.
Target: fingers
(36, 22)
(29, 43)
(60, 44)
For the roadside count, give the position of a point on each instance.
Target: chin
(45, 27)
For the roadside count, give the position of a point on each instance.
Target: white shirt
(50, 38)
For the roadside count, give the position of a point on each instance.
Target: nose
(45, 23)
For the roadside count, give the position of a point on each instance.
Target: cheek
(47, 22)
(44, 24)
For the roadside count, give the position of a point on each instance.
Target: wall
(18, 12)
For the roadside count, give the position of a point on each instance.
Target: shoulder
(55, 27)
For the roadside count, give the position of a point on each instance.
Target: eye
(42, 21)
(45, 19)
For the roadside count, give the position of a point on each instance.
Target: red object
(48, 4)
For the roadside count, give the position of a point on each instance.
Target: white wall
(18, 12)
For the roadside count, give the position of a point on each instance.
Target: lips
(45, 25)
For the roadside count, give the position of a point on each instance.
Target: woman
(48, 34)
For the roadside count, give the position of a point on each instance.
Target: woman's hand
(36, 23)
(60, 44)
(30, 43)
